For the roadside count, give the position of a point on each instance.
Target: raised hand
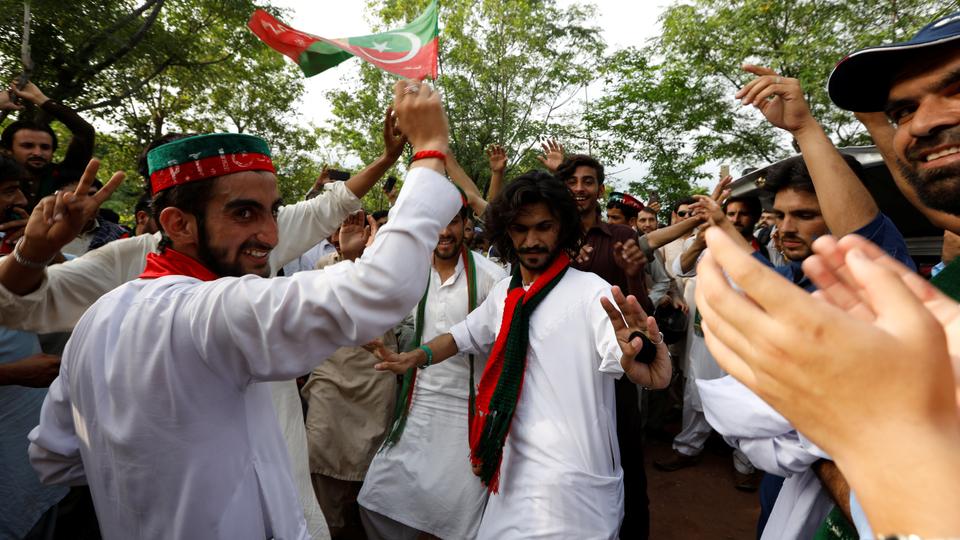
(628, 256)
(814, 361)
(8, 103)
(710, 209)
(58, 219)
(720, 191)
(780, 99)
(626, 320)
(420, 116)
(393, 139)
(29, 92)
(371, 231)
(498, 158)
(353, 236)
(552, 156)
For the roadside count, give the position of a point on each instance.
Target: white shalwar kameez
(425, 480)
(748, 423)
(156, 407)
(69, 289)
(560, 477)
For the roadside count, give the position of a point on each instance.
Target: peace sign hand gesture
(57, 219)
(780, 99)
(626, 320)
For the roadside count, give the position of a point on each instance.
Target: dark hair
(629, 212)
(11, 171)
(531, 188)
(754, 208)
(143, 203)
(648, 210)
(570, 164)
(792, 173)
(142, 166)
(684, 201)
(7, 138)
(380, 214)
(191, 197)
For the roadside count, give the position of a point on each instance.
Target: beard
(545, 262)
(456, 247)
(217, 259)
(937, 188)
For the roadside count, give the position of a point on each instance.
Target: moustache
(792, 237)
(947, 137)
(260, 246)
(532, 251)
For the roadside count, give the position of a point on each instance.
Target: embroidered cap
(206, 156)
(861, 81)
(625, 199)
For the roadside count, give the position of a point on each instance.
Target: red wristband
(428, 154)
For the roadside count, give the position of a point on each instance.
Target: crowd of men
(473, 365)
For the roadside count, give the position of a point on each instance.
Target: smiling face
(239, 228)
(451, 239)
(586, 188)
(924, 103)
(535, 235)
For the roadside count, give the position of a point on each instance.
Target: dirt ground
(698, 502)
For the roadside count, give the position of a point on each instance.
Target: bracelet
(428, 154)
(23, 261)
(429, 353)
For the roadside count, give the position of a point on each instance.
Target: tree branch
(116, 99)
(134, 40)
(86, 49)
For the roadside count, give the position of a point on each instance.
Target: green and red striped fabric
(410, 51)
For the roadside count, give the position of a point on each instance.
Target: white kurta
(70, 288)
(155, 407)
(561, 475)
(425, 481)
(747, 422)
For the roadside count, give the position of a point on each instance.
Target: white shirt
(560, 476)
(68, 289)
(156, 407)
(747, 422)
(425, 480)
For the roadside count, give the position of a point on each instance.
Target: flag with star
(410, 51)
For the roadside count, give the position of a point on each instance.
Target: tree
(143, 68)
(508, 73)
(671, 104)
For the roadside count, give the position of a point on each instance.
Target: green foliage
(671, 104)
(506, 72)
(140, 69)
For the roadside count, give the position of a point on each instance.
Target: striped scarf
(502, 378)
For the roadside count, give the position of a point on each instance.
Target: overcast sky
(623, 23)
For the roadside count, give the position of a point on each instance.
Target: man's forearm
(664, 236)
(845, 202)
(21, 279)
(80, 149)
(459, 177)
(496, 184)
(361, 183)
(442, 347)
(835, 484)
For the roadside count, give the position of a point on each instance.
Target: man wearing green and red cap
(157, 406)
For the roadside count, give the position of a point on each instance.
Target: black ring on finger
(648, 351)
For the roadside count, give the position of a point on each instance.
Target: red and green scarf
(401, 408)
(502, 378)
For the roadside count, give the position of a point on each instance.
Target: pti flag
(410, 51)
